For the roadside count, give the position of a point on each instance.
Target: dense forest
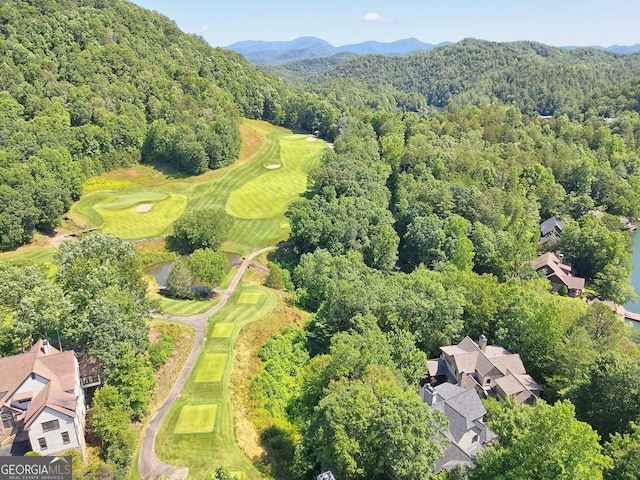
(537, 78)
(417, 230)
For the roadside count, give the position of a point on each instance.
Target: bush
(203, 228)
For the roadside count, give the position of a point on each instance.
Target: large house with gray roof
(41, 397)
(466, 433)
(489, 369)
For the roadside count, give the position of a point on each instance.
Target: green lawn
(196, 419)
(203, 451)
(254, 195)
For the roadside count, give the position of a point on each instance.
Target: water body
(635, 278)
(160, 270)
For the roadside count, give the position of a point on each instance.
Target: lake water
(635, 278)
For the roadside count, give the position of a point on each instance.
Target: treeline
(89, 86)
(537, 78)
(416, 231)
(96, 304)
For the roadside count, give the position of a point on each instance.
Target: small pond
(160, 270)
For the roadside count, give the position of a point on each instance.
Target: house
(559, 273)
(489, 369)
(41, 398)
(551, 229)
(467, 434)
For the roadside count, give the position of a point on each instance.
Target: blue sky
(555, 22)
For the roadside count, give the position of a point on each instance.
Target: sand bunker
(145, 207)
(311, 139)
(272, 166)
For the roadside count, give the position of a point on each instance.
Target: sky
(342, 22)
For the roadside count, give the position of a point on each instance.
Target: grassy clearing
(220, 445)
(254, 195)
(196, 419)
(31, 254)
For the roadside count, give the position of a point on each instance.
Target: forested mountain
(536, 78)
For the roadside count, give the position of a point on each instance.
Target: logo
(35, 468)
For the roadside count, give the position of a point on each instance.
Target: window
(52, 425)
(475, 439)
(7, 420)
(43, 443)
(65, 438)
(33, 376)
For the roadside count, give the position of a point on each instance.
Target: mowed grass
(250, 298)
(268, 194)
(211, 368)
(196, 419)
(254, 195)
(203, 452)
(222, 330)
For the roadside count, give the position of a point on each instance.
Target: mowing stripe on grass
(212, 368)
(249, 298)
(196, 419)
(222, 330)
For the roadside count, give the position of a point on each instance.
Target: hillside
(81, 83)
(535, 77)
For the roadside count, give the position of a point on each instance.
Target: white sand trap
(145, 207)
(311, 139)
(273, 166)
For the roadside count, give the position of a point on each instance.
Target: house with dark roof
(559, 273)
(41, 398)
(467, 434)
(550, 230)
(489, 369)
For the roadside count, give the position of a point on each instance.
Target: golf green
(212, 367)
(196, 419)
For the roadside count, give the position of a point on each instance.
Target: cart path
(150, 466)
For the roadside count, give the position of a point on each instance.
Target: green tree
(541, 443)
(624, 450)
(110, 420)
(208, 266)
(371, 428)
(180, 280)
(202, 228)
(608, 400)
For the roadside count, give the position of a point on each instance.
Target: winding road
(149, 465)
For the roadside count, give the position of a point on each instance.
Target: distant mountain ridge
(274, 53)
(303, 48)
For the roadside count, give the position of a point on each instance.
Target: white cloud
(375, 17)
(204, 29)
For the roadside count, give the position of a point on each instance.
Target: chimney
(482, 343)
(46, 349)
(429, 394)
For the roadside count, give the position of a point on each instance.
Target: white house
(41, 397)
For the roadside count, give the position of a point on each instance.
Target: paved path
(149, 465)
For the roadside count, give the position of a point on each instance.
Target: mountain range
(273, 53)
(278, 52)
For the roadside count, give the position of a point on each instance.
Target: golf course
(141, 203)
(198, 430)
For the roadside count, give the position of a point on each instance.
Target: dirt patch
(132, 172)
(145, 207)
